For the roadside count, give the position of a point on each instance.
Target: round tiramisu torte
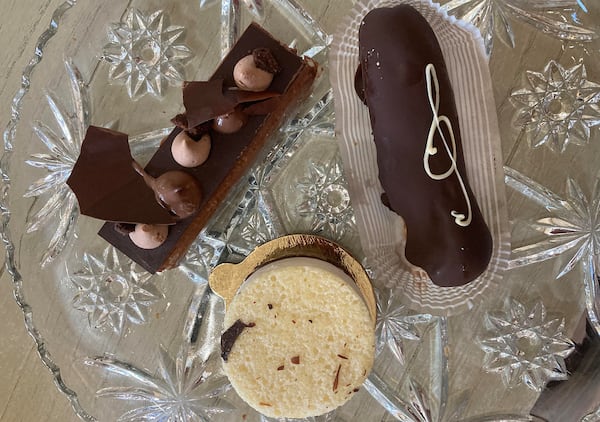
(299, 338)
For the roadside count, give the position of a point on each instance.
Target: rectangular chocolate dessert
(231, 154)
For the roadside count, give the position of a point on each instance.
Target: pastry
(232, 146)
(299, 338)
(403, 80)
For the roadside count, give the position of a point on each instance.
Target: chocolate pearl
(230, 122)
(149, 236)
(249, 77)
(188, 152)
(176, 190)
(179, 192)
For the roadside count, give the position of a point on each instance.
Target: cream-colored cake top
(311, 341)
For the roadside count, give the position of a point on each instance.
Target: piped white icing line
(433, 92)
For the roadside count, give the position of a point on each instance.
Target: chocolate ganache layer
(404, 81)
(230, 154)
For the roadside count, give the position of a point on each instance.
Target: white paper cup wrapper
(381, 230)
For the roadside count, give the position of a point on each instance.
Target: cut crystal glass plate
(125, 345)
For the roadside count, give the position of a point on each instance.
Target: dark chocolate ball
(230, 122)
(179, 192)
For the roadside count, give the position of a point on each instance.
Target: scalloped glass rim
(9, 138)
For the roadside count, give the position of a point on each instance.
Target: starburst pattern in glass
(144, 53)
(185, 389)
(113, 290)
(412, 400)
(572, 228)
(396, 325)
(202, 257)
(325, 199)
(254, 221)
(572, 233)
(256, 229)
(63, 147)
(526, 345)
(492, 17)
(558, 107)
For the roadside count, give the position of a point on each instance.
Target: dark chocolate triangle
(106, 185)
(205, 100)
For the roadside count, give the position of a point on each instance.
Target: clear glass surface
(124, 344)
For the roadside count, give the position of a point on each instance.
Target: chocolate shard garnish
(231, 155)
(106, 185)
(205, 100)
(180, 120)
(230, 335)
(421, 168)
(195, 132)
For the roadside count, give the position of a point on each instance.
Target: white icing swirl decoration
(433, 91)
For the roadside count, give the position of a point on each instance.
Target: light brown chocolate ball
(249, 77)
(149, 236)
(190, 153)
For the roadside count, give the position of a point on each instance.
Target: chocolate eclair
(403, 80)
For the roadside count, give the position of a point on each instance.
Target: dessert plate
(124, 344)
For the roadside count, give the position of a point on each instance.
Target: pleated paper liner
(381, 230)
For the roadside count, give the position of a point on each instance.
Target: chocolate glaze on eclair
(404, 81)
